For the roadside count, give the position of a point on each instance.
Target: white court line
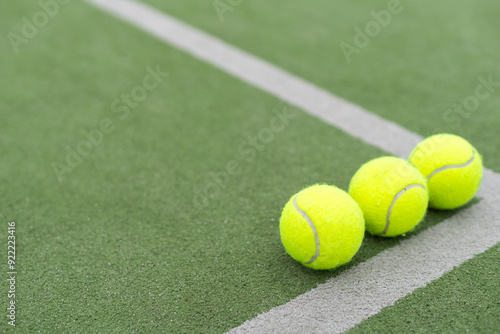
(342, 114)
(364, 290)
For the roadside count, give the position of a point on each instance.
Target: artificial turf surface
(465, 300)
(121, 243)
(426, 60)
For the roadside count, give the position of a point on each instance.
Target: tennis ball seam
(396, 197)
(446, 167)
(313, 227)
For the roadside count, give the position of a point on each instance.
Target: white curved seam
(313, 227)
(452, 166)
(398, 195)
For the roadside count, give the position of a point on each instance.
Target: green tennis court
(146, 178)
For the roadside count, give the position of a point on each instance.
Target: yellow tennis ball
(453, 169)
(322, 227)
(392, 194)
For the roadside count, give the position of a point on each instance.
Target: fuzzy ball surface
(322, 227)
(392, 195)
(453, 168)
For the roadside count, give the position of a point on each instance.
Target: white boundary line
(342, 114)
(364, 290)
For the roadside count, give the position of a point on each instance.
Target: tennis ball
(322, 227)
(453, 169)
(392, 194)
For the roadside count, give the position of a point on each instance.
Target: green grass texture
(149, 231)
(417, 71)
